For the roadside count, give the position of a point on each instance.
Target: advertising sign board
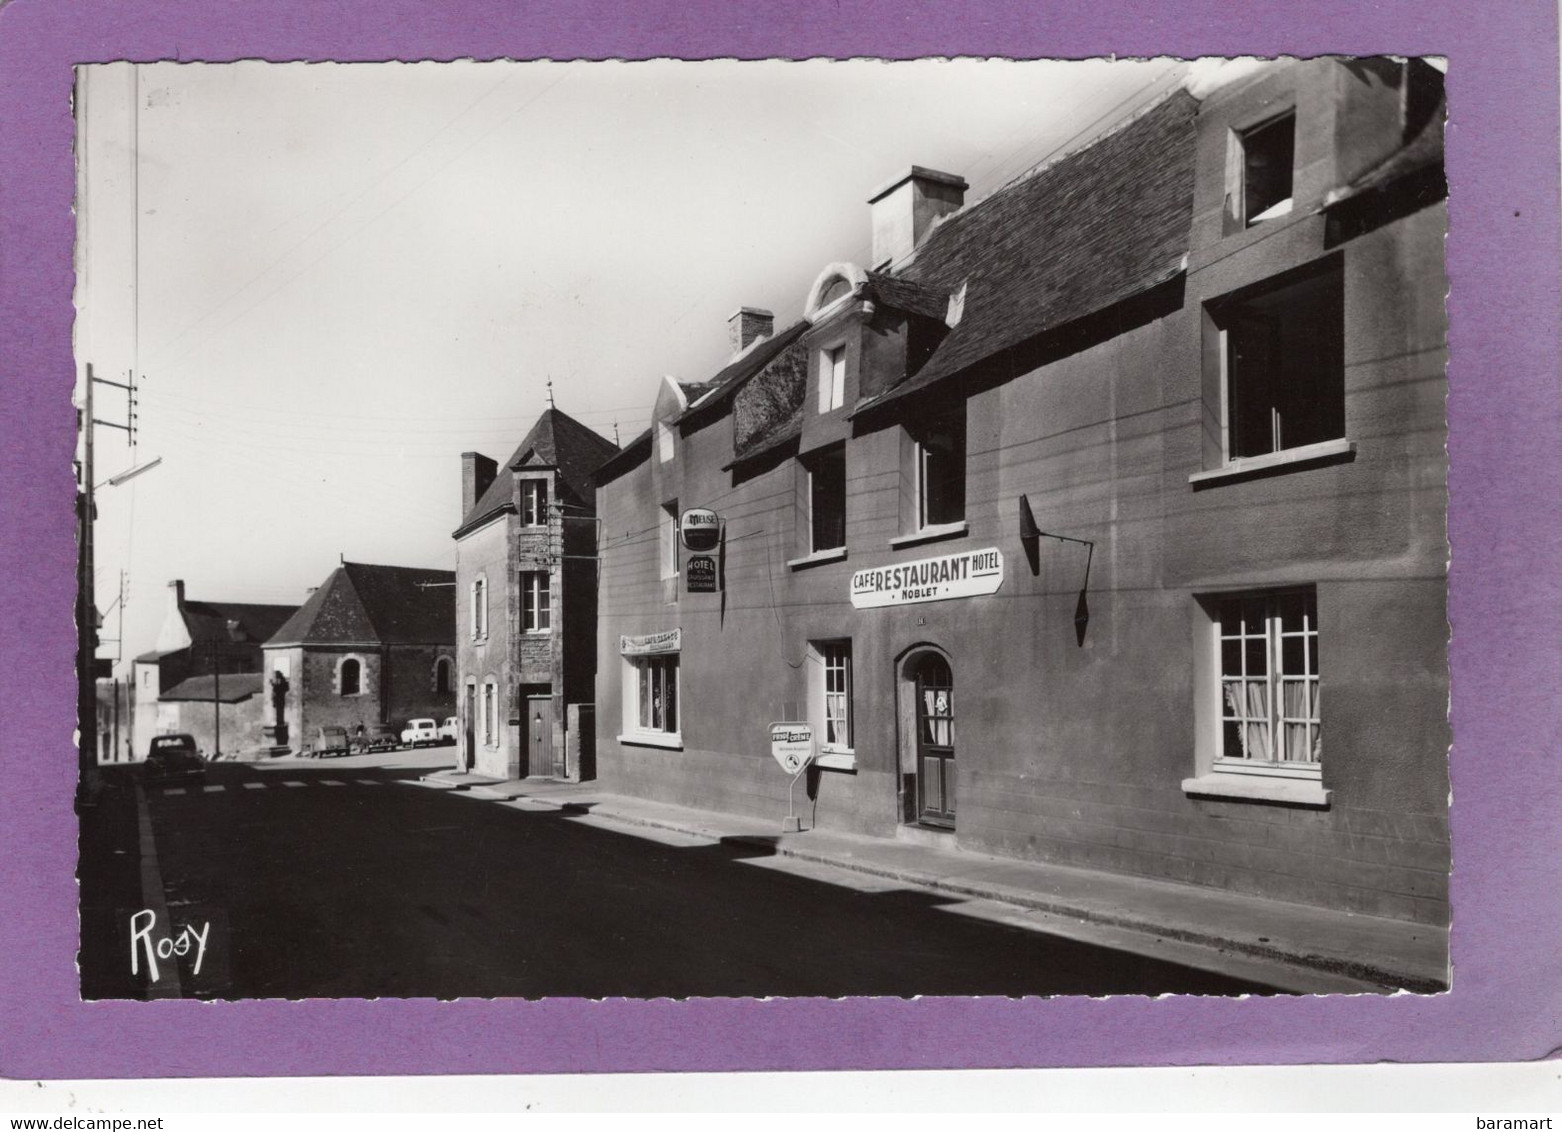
(669, 641)
(792, 745)
(700, 529)
(966, 574)
(700, 571)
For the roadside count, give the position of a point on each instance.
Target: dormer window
(664, 441)
(832, 378)
(534, 503)
(1268, 157)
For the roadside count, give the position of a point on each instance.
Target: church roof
(360, 604)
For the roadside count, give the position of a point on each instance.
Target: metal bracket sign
(792, 745)
(967, 574)
(699, 571)
(700, 529)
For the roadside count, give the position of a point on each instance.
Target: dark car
(381, 737)
(331, 741)
(173, 758)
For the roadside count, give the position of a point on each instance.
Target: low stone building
(373, 644)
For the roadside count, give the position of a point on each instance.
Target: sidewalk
(1379, 954)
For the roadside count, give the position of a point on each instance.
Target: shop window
(1268, 157)
(1260, 691)
(479, 600)
(940, 460)
(534, 503)
(349, 677)
(651, 696)
(831, 695)
(443, 685)
(826, 473)
(1282, 359)
(536, 612)
(832, 378)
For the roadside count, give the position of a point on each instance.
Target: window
(480, 609)
(442, 682)
(1268, 155)
(669, 540)
(1282, 355)
(653, 691)
(834, 700)
(832, 379)
(350, 677)
(534, 503)
(1269, 681)
(490, 714)
(536, 616)
(826, 499)
(941, 472)
(664, 441)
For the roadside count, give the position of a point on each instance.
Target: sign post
(792, 745)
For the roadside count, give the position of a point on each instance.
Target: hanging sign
(700, 572)
(792, 745)
(670, 641)
(967, 574)
(700, 529)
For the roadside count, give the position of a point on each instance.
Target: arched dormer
(832, 289)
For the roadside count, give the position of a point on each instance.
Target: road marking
(254, 786)
(331, 782)
(172, 790)
(290, 782)
(214, 789)
(367, 781)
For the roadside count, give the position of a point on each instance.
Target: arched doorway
(931, 684)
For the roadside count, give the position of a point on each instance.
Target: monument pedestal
(274, 739)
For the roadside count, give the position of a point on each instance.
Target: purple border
(1504, 444)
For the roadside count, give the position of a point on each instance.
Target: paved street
(345, 878)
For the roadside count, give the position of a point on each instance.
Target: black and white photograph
(762, 529)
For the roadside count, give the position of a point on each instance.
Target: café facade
(1099, 522)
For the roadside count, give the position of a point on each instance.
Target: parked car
(420, 732)
(382, 737)
(331, 741)
(447, 730)
(172, 758)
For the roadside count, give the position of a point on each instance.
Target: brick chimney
(748, 324)
(905, 209)
(477, 472)
(176, 595)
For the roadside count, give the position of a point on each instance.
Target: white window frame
(1295, 781)
(639, 725)
(534, 503)
(479, 600)
(536, 601)
(832, 377)
(671, 566)
(830, 664)
(666, 442)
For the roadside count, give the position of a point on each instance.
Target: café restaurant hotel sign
(967, 574)
(652, 643)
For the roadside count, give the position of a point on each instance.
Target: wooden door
(935, 742)
(468, 729)
(540, 755)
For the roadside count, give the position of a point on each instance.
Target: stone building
(373, 644)
(526, 604)
(1058, 518)
(197, 639)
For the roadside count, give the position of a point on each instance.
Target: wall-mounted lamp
(1030, 539)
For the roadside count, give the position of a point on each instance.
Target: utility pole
(216, 701)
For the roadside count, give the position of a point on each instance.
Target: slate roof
(558, 441)
(233, 620)
(635, 452)
(230, 689)
(908, 295)
(1098, 226)
(736, 373)
(361, 604)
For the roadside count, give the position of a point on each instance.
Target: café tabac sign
(970, 573)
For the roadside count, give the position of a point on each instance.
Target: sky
(331, 280)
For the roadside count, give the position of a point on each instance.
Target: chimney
(905, 209)
(177, 594)
(477, 472)
(748, 324)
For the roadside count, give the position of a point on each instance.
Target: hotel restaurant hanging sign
(967, 574)
(669, 641)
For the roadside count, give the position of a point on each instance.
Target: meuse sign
(967, 574)
(700, 529)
